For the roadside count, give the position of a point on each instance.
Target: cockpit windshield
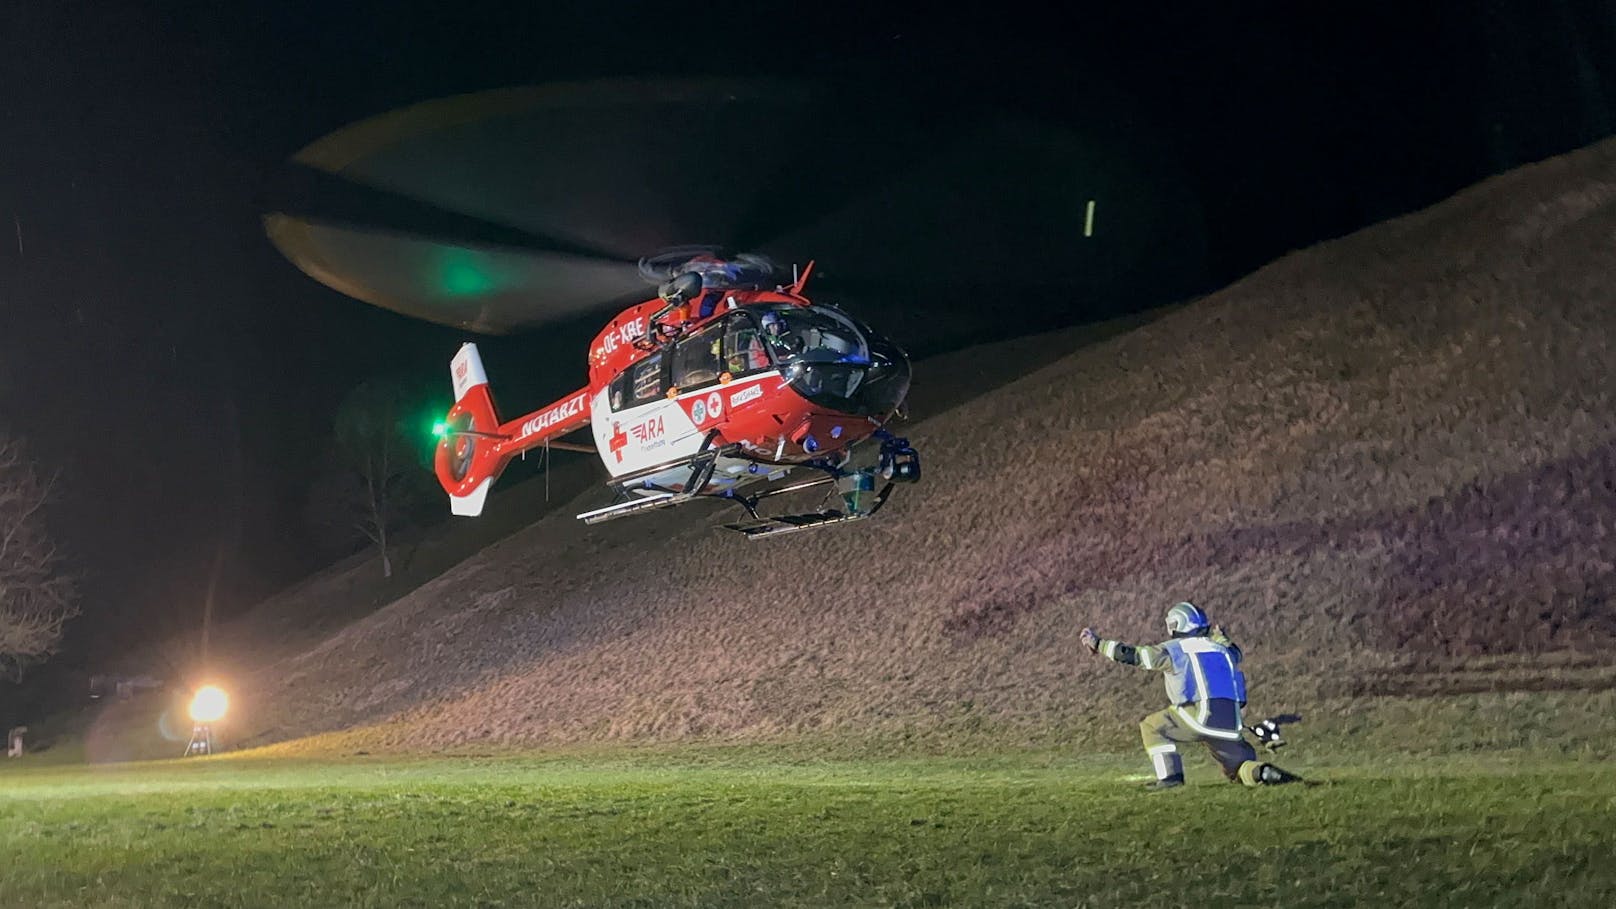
(834, 361)
(814, 335)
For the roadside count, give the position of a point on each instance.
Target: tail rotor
(468, 458)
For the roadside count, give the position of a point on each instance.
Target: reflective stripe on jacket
(1200, 669)
(1203, 679)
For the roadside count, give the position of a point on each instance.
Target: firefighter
(1207, 691)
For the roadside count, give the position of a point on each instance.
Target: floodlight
(209, 704)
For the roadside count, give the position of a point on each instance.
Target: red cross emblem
(618, 440)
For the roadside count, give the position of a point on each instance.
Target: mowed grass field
(716, 827)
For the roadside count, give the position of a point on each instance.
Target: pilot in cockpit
(780, 336)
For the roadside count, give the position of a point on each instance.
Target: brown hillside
(1392, 448)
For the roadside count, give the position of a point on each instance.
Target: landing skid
(701, 473)
(634, 506)
(899, 464)
(793, 523)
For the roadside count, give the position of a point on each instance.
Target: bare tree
(36, 596)
(382, 472)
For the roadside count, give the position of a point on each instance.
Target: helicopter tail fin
(475, 447)
(469, 456)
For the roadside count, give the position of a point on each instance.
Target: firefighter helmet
(1186, 618)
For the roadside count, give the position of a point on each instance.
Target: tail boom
(476, 446)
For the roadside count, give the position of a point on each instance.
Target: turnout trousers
(1165, 730)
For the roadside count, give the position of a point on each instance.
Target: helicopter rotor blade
(481, 288)
(861, 140)
(1012, 209)
(513, 208)
(583, 177)
(302, 191)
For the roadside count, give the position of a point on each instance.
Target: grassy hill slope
(1387, 463)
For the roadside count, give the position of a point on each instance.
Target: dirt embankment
(1397, 448)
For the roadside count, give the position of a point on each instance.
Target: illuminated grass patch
(747, 829)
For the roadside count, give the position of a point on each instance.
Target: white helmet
(1186, 618)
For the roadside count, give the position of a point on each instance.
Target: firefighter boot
(1169, 767)
(1256, 773)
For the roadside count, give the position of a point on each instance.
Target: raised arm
(1219, 636)
(1145, 656)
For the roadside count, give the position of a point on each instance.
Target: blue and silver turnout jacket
(1203, 677)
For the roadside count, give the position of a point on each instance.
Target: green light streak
(461, 275)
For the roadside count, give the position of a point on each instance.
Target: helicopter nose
(872, 388)
(886, 379)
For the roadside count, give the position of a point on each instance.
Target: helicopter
(507, 210)
(522, 209)
(717, 388)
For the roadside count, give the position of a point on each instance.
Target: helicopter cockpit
(827, 356)
(835, 361)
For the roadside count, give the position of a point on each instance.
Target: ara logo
(715, 405)
(562, 412)
(750, 393)
(648, 430)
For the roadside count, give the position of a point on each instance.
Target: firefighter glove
(1089, 639)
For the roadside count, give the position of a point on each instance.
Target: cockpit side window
(744, 350)
(697, 361)
(621, 391)
(647, 379)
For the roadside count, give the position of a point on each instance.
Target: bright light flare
(209, 704)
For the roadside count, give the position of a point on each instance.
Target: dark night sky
(146, 325)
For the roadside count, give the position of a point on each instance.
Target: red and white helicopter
(715, 389)
(517, 208)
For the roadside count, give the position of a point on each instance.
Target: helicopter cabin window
(646, 381)
(696, 360)
(744, 350)
(620, 391)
